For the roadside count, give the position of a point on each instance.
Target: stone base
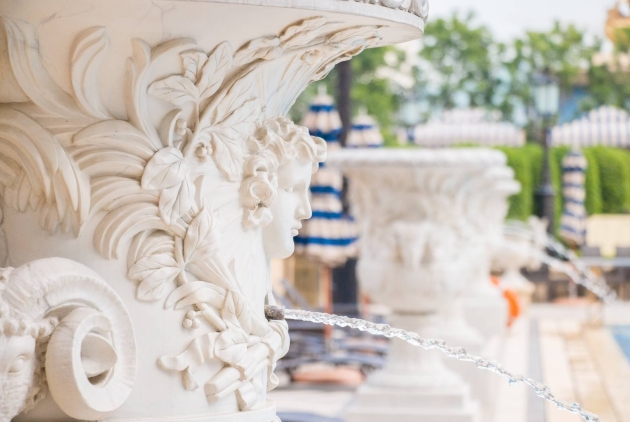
(437, 404)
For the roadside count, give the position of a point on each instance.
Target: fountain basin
(132, 135)
(429, 218)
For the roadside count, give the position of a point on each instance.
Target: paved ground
(577, 351)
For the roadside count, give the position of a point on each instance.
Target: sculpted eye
(18, 364)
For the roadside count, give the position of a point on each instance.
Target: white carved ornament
(62, 326)
(417, 7)
(65, 156)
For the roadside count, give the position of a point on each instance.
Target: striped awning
(573, 220)
(467, 126)
(364, 132)
(606, 125)
(330, 235)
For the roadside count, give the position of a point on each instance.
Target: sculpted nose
(304, 210)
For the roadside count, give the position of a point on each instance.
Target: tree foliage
(459, 63)
(462, 64)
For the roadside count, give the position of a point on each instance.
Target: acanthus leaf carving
(90, 50)
(141, 178)
(46, 172)
(31, 74)
(261, 48)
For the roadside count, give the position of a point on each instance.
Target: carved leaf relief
(155, 273)
(214, 70)
(90, 51)
(166, 169)
(176, 201)
(65, 153)
(176, 89)
(202, 239)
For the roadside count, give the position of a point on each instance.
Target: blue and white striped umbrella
(573, 221)
(364, 132)
(603, 126)
(476, 126)
(330, 235)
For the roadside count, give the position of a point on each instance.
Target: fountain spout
(274, 313)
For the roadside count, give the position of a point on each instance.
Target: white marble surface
(146, 140)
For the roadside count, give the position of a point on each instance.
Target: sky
(510, 18)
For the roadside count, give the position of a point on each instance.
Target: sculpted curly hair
(276, 142)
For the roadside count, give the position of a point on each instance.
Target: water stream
(554, 255)
(542, 390)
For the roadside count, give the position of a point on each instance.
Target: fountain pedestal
(415, 384)
(429, 220)
(147, 176)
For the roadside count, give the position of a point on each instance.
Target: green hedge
(613, 165)
(593, 201)
(521, 203)
(607, 181)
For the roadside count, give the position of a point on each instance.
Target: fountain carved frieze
(187, 191)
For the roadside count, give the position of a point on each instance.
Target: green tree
(564, 50)
(459, 64)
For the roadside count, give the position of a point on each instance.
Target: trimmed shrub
(556, 155)
(614, 175)
(520, 204)
(593, 200)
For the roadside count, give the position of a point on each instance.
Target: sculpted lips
(294, 230)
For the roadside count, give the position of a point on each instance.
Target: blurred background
(547, 82)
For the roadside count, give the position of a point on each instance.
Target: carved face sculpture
(291, 205)
(17, 374)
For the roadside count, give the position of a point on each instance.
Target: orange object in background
(511, 296)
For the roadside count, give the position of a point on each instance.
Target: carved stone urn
(147, 176)
(428, 221)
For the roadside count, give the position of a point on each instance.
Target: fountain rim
(420, 158)
(395, 25)
(351, 7)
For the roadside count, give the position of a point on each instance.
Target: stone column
(147, 176)
(427, 225)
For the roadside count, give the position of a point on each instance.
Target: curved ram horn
(90, 359)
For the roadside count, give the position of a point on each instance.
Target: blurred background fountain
(553, 99)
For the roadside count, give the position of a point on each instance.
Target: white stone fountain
(430, 220)
(147, 176)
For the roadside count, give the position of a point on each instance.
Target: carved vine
(65, 155)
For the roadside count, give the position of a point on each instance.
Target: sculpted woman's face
(291, 205)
